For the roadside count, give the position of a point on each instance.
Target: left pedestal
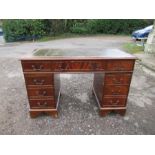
(43, 88)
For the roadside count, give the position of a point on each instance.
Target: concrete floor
(78, 108)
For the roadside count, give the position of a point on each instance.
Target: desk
(112, 69)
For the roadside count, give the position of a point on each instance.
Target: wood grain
(112, 78)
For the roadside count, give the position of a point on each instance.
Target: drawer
(120, 65)
(36, 66)
(40, 92)
(114, 101)
(117, 78)
(38, 79)
(42, 104)
(115, 90)
(78, 65)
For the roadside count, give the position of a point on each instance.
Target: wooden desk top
(86, 54)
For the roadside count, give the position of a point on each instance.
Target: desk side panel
(98, 86)
(56, 87)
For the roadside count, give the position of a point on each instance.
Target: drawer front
(40, 92)
(38, 79)
(78, 66)
(42, 104)
(114, 101)
(116, 90)
(117, 79)
(36, 66)
(120, 65)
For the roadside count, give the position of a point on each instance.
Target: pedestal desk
(112, 69)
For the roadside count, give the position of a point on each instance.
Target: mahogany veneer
(42, 103)
(112, 76)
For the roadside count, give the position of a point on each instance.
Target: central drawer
(76, 65)
(40, 92)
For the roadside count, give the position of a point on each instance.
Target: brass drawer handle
(60, 67)
(63, 66)
(44, 104)
(114, 103)
(42, 93)
(95, 66)
(73, 61)
(37, 68)
(38, 82)
(119, 81)
(116, 92)
(118, 67)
